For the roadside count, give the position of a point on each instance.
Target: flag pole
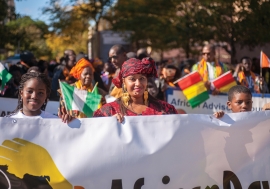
(261, 87)
(261, 64)
(63, 96)
(94, 87)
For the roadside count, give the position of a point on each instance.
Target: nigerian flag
(81, 100)
(4, 75)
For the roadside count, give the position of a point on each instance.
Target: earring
(145, 97)
(20, 105)
(125, 96)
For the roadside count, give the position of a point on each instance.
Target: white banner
(145, 152)
(8, 105)
(213, 104)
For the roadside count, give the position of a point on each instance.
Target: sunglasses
(205, 53)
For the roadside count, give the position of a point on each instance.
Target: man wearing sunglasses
(209, 67)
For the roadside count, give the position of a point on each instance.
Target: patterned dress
(158, 108)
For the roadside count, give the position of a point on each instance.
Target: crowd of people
(134, 79)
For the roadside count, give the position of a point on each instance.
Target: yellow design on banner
(26, 158)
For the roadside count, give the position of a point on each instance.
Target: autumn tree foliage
(70, 23)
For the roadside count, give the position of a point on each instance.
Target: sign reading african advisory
(213, 104)
(145, 152)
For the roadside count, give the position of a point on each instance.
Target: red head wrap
(133, 66)
(76, 71)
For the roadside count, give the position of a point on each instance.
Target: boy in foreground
(239, 100)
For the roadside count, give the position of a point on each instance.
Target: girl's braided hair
(26, 77)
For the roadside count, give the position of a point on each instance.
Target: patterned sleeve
(172, 110)
(98, 113)
(106, 111)
(168, 108)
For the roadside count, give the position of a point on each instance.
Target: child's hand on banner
(66, 118)
(219, 114)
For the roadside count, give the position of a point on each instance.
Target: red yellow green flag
(224, 82)
(193, 88)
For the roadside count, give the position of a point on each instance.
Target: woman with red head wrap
(135, 99)
(83, 72)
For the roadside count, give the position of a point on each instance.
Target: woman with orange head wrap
(83, 72)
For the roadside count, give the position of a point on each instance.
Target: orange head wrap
(76, 71)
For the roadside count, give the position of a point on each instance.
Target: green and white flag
(4, 76)
(81, 100)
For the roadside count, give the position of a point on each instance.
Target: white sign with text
(144, 152)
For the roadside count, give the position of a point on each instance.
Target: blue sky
(32, 8)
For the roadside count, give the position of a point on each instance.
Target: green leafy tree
(191, 27)
(224, 17)
(162, 24)
(256, 25)
(28, 34)
(187, 24)
(3, 28)
(238, 22)
(149, 22)
(3, 10)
